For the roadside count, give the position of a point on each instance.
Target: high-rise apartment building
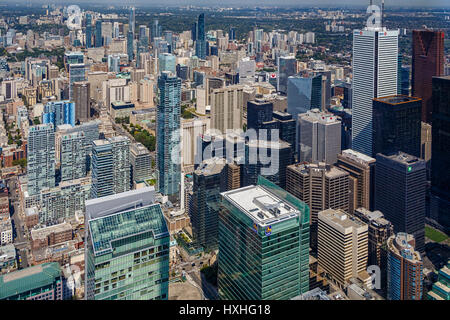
(167, 62)
(110, 166)
(400, 187)
(342, 245)
(396, 125)
(440, 174)
(73, 156)
(59, 112)
(227, 108)
(141, 162)
(319, 137)
(98, 34)
(41, 158)
(427, 62)
(263, 244)
(361, 178)
(168, 161)
(321, 187)
(209, 182)
(404, 268)
(82, 99)
(127, 248)
(375, 55)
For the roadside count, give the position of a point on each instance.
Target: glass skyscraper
(41, 158)
(168, 135)
(263, 244)
(167, 62)
(130, 45)
(304, 94)
(88, 30)
(209, 182)
(200, 43)
(127, 248)
(287, 66)
(98, 34)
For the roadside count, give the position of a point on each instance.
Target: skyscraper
(375, 54)
(168, 162)
(361, 178)
(227, 108)
(41, 158)
(209, 182)
(250, 267)
(268, 158)
(427, 61)
(127, 248)
(200, 43)
(380, 230)
(59, 112)
(110, 166)
(400, 182)
(440, 175)
(167, 62)
(141, 162)
(319, 137)
(132, 20)
(304, 94)
(77, 73)
(73, 156)
(88, 30)
(98, 34)
(82, 99)
(404, 268)
(287, 66)
(321, 187)
(396, 125)
(130, 45)
(342, 245)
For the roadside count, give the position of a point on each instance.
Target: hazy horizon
(248, 3)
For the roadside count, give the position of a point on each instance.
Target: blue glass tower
(168, 135)
(98, 34)
(88, 30)
(200, 44)
(130, 45)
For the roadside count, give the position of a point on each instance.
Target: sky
(240, 3)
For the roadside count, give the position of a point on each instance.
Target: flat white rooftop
(262, 206)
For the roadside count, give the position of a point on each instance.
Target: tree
(21, 162)
(36, 121)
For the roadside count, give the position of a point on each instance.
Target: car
(193, 264)
(201, 262)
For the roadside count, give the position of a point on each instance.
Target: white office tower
(375, 56)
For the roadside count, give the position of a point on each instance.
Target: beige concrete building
(361, 169)
(227, 108)
(342, 245)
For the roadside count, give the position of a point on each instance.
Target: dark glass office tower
(440, 171)
(88, 30)
(268, 159)
(200, 44)
(400, 185)
(130, 45)
(396, 125)
(232, 34)
(427, 61)
(258, 112)
(209, 182)
(98, 34)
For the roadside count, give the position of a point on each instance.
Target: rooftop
(341, 221)
(330, 170)
(397, 99)
(357, 156)
(27, 279)
(42, 233)
(402, 244)
(261, 205)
